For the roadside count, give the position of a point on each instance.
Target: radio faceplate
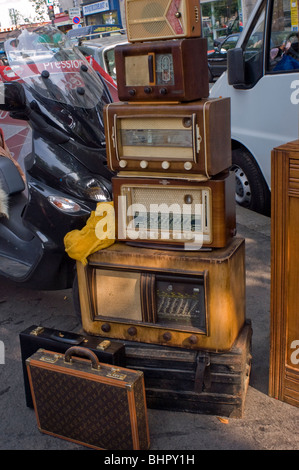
(184, 299)
(174, 70)
(188, 138)
(176, 212)
(151, 20)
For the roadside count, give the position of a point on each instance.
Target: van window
(283, 53)
(253, 49)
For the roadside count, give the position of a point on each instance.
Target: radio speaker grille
(156, 20)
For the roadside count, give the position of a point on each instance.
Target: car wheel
(251, 189)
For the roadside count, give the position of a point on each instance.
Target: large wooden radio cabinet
(284, 350)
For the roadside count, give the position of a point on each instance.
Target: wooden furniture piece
(182, 140)
(189, 299)
(284, 350)
(175, 212)
(174, 70)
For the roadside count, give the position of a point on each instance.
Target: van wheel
(251, 189)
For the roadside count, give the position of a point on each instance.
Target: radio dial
(148, 90)
(188, 165)
(132, 92)
(165, 165)
(143, 164)
(123, 163)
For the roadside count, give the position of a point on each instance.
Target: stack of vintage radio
(173, 286)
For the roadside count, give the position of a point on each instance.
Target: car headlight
(87, 188)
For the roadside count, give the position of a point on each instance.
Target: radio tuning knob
(188, 199)
(188, 165)
(163, 91)
(165, 165)
(192, 339)
(106, 327)
(147, 90)
(143, 164)
(132, 92)
(123, 163)
(167, 336)
(132, 331)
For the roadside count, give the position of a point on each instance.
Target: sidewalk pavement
(268, 424)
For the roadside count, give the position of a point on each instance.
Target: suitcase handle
(82, 352)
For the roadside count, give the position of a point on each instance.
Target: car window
(253, 49)
(283, 54)
(230, 43)
(110, 62)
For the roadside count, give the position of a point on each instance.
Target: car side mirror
(12, 97)
(217, 44)
(235, 66)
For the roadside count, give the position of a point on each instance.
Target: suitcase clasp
(115, 374)
(50, 359)
(37, 331)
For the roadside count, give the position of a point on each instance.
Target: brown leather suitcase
(87, 402)
(177, 140)
(174, 70)
(59, 341)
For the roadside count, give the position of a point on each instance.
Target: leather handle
(82, 352)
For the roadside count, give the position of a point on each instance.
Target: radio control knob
(148, 90)
(192, 339)
(123, 163)
(143, 164)
(188, 165)
(163, 91)
(188, 199)
(167, 336)
(132, 92)
(165, 165)
(132, 331)
(106, 327)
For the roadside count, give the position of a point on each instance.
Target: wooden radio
(179, 138)
(177, 212)
(193, 300)
(149, 20)
(174, 70)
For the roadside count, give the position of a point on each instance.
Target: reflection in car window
(253, 51)
(230, 43)
(283, 51)
(110, 63)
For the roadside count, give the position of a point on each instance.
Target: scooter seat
(10, 178)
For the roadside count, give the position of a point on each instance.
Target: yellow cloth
(97, 234)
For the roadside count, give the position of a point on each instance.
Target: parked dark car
(217, 58)
(102, 50)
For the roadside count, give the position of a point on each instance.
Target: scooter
(61, 97)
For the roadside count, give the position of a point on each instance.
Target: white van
(262, 80)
